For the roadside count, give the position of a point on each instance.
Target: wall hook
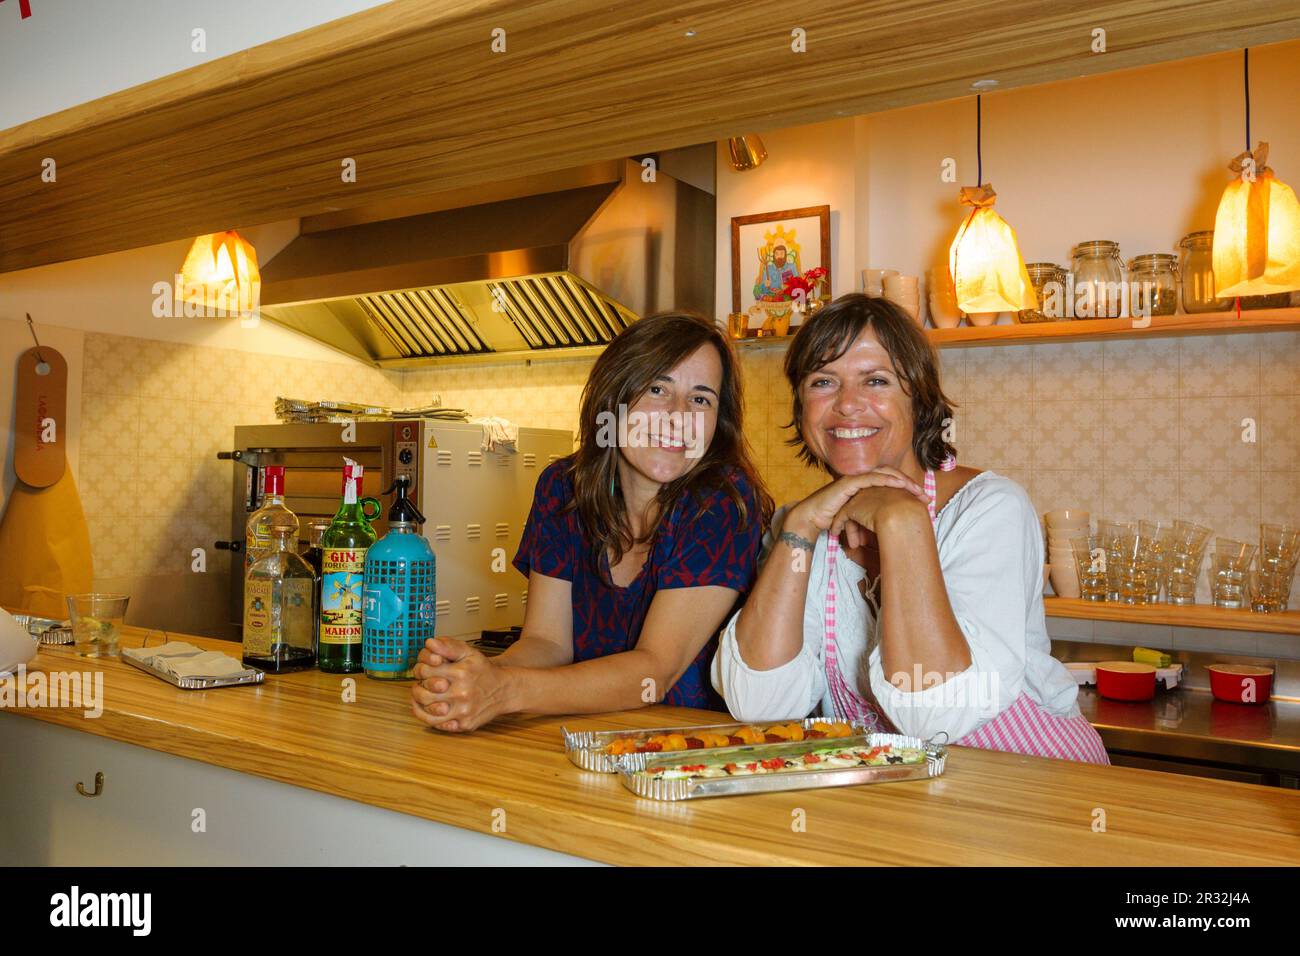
(99, 786)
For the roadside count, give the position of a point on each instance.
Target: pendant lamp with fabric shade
(221, 271)
(988, 272)
(1257, 226)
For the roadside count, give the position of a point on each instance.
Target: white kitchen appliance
(475, 502)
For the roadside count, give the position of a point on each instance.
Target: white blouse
(991, 555)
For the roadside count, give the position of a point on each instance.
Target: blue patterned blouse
(701, 543)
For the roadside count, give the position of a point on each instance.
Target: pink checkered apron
(1024, 727)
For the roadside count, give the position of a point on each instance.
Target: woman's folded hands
(854, 503)
(456, 687)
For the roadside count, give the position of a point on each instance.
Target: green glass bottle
(343, 560)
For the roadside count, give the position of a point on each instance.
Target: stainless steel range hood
(539, 266)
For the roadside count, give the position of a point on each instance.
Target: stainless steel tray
(631, 767)
(45, 630)
(585, 748)
(195, 683)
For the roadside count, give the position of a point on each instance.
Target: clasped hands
(456, 687)
(855, 504)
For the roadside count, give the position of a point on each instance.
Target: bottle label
(384, 607)
(340, 595)
(257, 544)
(257, 618)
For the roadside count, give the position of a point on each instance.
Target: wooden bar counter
(510, 786)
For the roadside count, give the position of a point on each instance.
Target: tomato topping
(692, 768)
(774, 764)
(816, 734)
(694, 743)
(751, 767)
(653, 748)
(734, 741)
(811, 758)
(773, 739)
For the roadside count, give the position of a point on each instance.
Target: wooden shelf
(1196, 615)
(1093, 330)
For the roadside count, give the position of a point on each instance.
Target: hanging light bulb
(1257, 226)
(988, 272)
(746, 152)
(220, 271)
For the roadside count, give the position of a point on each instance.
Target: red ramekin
(1126, 680)
(1240, 683)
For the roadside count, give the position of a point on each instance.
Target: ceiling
(412, 92)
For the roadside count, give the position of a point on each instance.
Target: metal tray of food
(770, 768)
(591, 749)
(196, 683)
(45, 630)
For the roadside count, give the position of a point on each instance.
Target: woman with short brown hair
(903, 598)
(637, 547)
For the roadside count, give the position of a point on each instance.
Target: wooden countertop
(988, 808)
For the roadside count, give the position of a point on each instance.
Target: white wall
(811, 165)
(114, 294)
(1138, 156)
(73, 51)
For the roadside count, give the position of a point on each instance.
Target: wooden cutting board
(40, 419)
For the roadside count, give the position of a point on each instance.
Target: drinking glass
(1090, 563)
(1187, 542)
(1111, 534)
(1134, 568)
(1270, 590)
(1231, 565)
(97, 622)
(1157, 544)
(1189, 537)
(1279, 546)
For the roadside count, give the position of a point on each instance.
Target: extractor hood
(538, 266)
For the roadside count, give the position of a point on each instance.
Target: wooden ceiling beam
(413, 93)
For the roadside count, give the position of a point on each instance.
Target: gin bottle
(343, 561)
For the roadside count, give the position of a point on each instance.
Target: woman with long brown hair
(637, 548)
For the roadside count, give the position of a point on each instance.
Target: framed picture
(770, 248)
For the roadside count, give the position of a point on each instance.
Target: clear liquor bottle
(343, 559)
(257, 541)
(280, 606)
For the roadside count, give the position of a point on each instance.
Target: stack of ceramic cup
(905, 292)
(873, 281)
(1068, 545)
(944, 312)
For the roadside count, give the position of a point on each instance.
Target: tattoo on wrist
(797, 542)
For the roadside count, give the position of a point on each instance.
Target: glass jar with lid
(1197, 272)
(1098, 280)
(1051, 300)
(1153, 285)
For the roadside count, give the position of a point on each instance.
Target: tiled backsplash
(154, 416)
(1136, 428)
